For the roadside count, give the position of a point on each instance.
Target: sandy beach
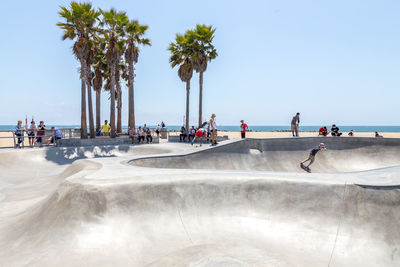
(6, 138)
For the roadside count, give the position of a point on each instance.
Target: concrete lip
(119, 206)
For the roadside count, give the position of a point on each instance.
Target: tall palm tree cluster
(106, 43)
(191, 51)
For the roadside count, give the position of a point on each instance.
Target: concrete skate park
(241, 203)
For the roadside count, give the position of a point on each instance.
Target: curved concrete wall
(285, 154)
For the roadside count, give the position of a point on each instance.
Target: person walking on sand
(294, 126)
(243, 129)
(214, 132)
(311, 157)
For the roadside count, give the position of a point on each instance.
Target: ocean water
(255, 128)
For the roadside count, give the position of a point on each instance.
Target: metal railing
(10, 138)
(22, 138)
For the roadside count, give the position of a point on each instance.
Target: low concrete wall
(76, 142)
(175, 138)
(306, 143)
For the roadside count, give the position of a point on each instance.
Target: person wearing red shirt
(200, 133)
(323, 131)
(243, 129)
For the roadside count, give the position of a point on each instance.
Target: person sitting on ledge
(351, 133)
(377, 135)
(57, 135)
(149, 138)
(183, 134)
(335, 131)
(132, 134)
(323, 131)
(140, 135)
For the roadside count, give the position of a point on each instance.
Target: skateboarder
(200, 133)
(311, 157)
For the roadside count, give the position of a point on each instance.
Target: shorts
(38, 139)
(31, 134)
(199, 134)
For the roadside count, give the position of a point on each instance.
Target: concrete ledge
(76, 142)
(175, 138)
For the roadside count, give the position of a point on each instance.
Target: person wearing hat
(243, 129)
(313, 152)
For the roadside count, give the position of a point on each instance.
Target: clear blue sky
(333, 61)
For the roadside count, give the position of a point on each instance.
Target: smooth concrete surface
(105, 141)
(124, 206)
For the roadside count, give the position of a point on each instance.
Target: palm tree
(181, 55)
(200, 40)
(80, 19)
(113, 23)
(89, 74)
(100, 68)
(135, 33)
(118, 93)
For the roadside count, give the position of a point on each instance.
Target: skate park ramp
(116, 209)
(284, 155)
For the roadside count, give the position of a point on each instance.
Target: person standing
(106, 128)
(19, 132)
(40, 133)
(214, 133)
(31, 133)
(158, 130)
(295, 124)
(243, 129)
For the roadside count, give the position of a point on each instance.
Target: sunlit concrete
(242, 203)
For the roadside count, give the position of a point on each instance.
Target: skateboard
(305, 168)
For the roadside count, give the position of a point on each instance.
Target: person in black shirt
(335, 131)
(313, 152)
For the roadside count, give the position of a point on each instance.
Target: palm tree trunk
(119, 109)
(90, 105)
(83, 105)
(98, 122)
(187, 103)
(131, 96)
(201, 98)
(112, 105)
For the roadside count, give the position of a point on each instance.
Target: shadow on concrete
(67, 155)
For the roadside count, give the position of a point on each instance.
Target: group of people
(334, 131)
(210, 132)
(106, 129)
(142, 133)
(36, 134)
